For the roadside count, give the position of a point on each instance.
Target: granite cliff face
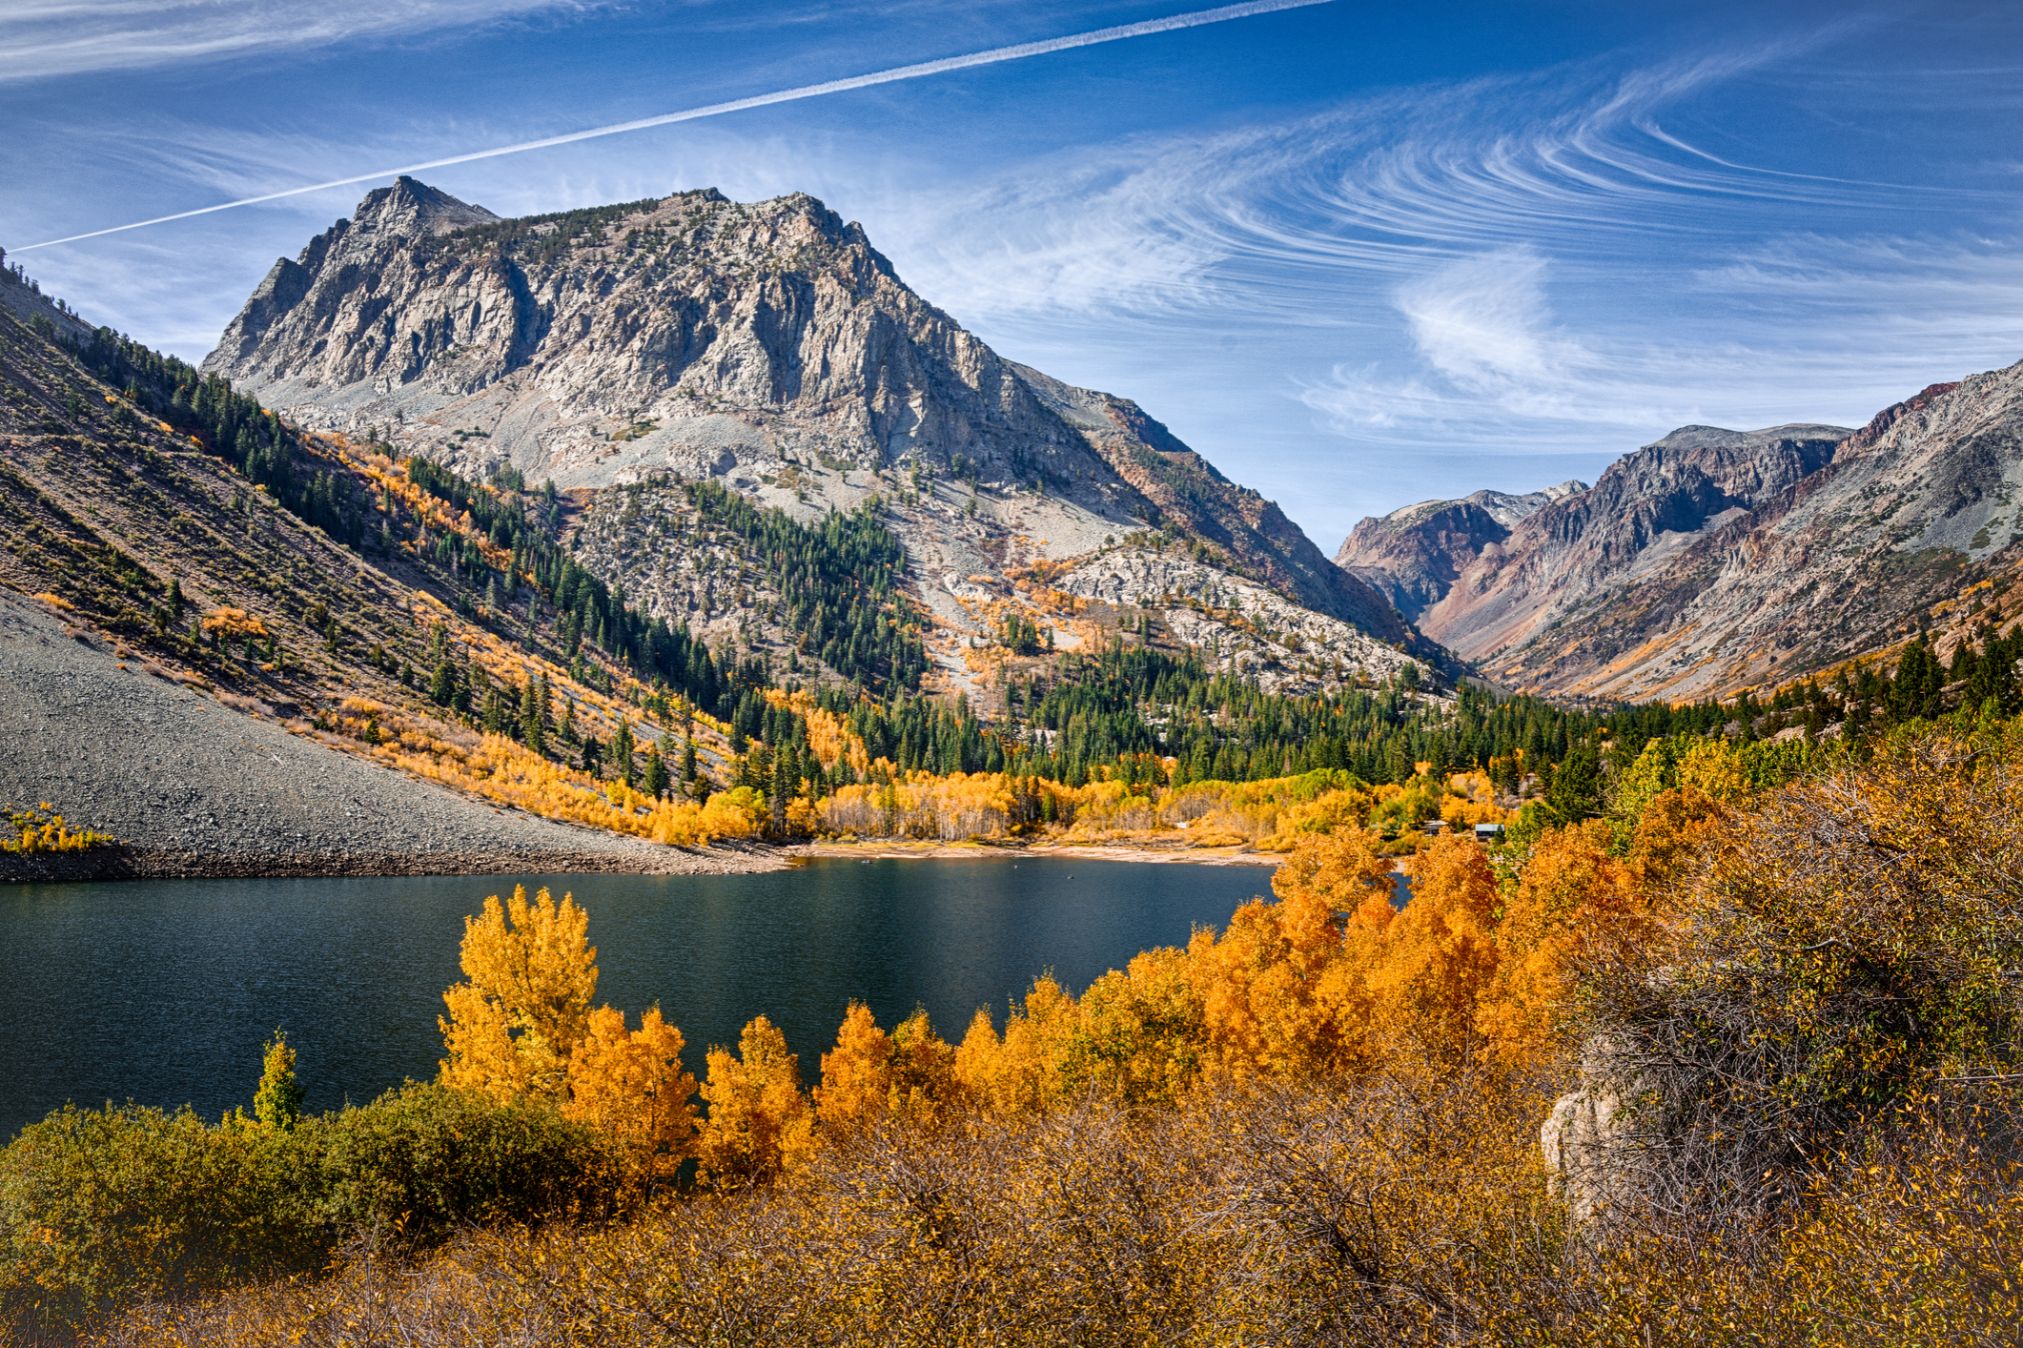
(1413, 555)
(770, 346)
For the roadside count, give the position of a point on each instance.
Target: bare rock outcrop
(767, 345)
(1413, 555)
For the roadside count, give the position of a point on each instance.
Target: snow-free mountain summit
(624, 352)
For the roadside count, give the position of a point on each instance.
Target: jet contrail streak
(942, 66)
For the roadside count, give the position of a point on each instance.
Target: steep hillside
(1578, 554)
(1412, 555)
(177, 531)
(1917, 520)
(1713, 561)
(769, 347)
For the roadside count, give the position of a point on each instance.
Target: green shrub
(424, 1160)
(104, 1207)
(107, 1205)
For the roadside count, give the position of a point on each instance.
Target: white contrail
(943, 66)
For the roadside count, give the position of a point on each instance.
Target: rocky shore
(193, 788)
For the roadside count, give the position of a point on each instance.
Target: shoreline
(117, 862)
(899, 850)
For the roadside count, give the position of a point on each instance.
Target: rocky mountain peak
(1412, 555)
(767, 345)
(411, 206)
(1645, 508)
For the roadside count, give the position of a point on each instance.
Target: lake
(162, 992)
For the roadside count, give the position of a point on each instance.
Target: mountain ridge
(770, 346)
(1712, 561)
(1413, 555)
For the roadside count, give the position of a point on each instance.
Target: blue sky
(1357, 254)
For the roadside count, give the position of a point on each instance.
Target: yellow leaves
(829, 735)
(40, 830)
(1572, 895)
(1713, 768)
(923, 1068)
(856, 1074)
(759, 1124)
(1334, 872)
(976, 1059)
(1271, 815)
(630, 1085)
(1024, 1073)
(506, 771)
(514, 1022)
(1439, 954)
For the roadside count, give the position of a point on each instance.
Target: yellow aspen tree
(978, 1060)
(1438, 954)
(923, 1067)
(630, 1085)
(759, 1125)
(529, 973)
(1676, 829)
(1037, 1038)
(1572, 895)
(1324, 879)
(857, 1075)
(277, 1103)
(1282, 990)
(1141, 1028)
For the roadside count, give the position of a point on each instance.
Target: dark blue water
(162, 992)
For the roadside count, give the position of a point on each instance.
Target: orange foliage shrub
(233, 622)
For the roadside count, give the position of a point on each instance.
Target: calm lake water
(162, 992)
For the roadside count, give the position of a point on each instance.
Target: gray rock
(768, 345)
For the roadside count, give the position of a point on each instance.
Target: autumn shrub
(39, 830)
(99, 1206)
(107, 1206)
(423, 1161)
(1240, 1214)
(1850, 945)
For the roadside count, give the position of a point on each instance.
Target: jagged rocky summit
(624, 350)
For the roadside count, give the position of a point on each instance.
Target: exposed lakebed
(163, 991)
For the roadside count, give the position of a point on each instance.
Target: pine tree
(621, 751)
(1576, 788)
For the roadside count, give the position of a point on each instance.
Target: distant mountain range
(1413, 555)
(679, 367)
(1715, 560)
(626, 352)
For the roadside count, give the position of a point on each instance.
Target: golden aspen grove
(1720, 1065)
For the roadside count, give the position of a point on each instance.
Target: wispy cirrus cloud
(1497, 273)
(48, 39)
(1514, 265)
